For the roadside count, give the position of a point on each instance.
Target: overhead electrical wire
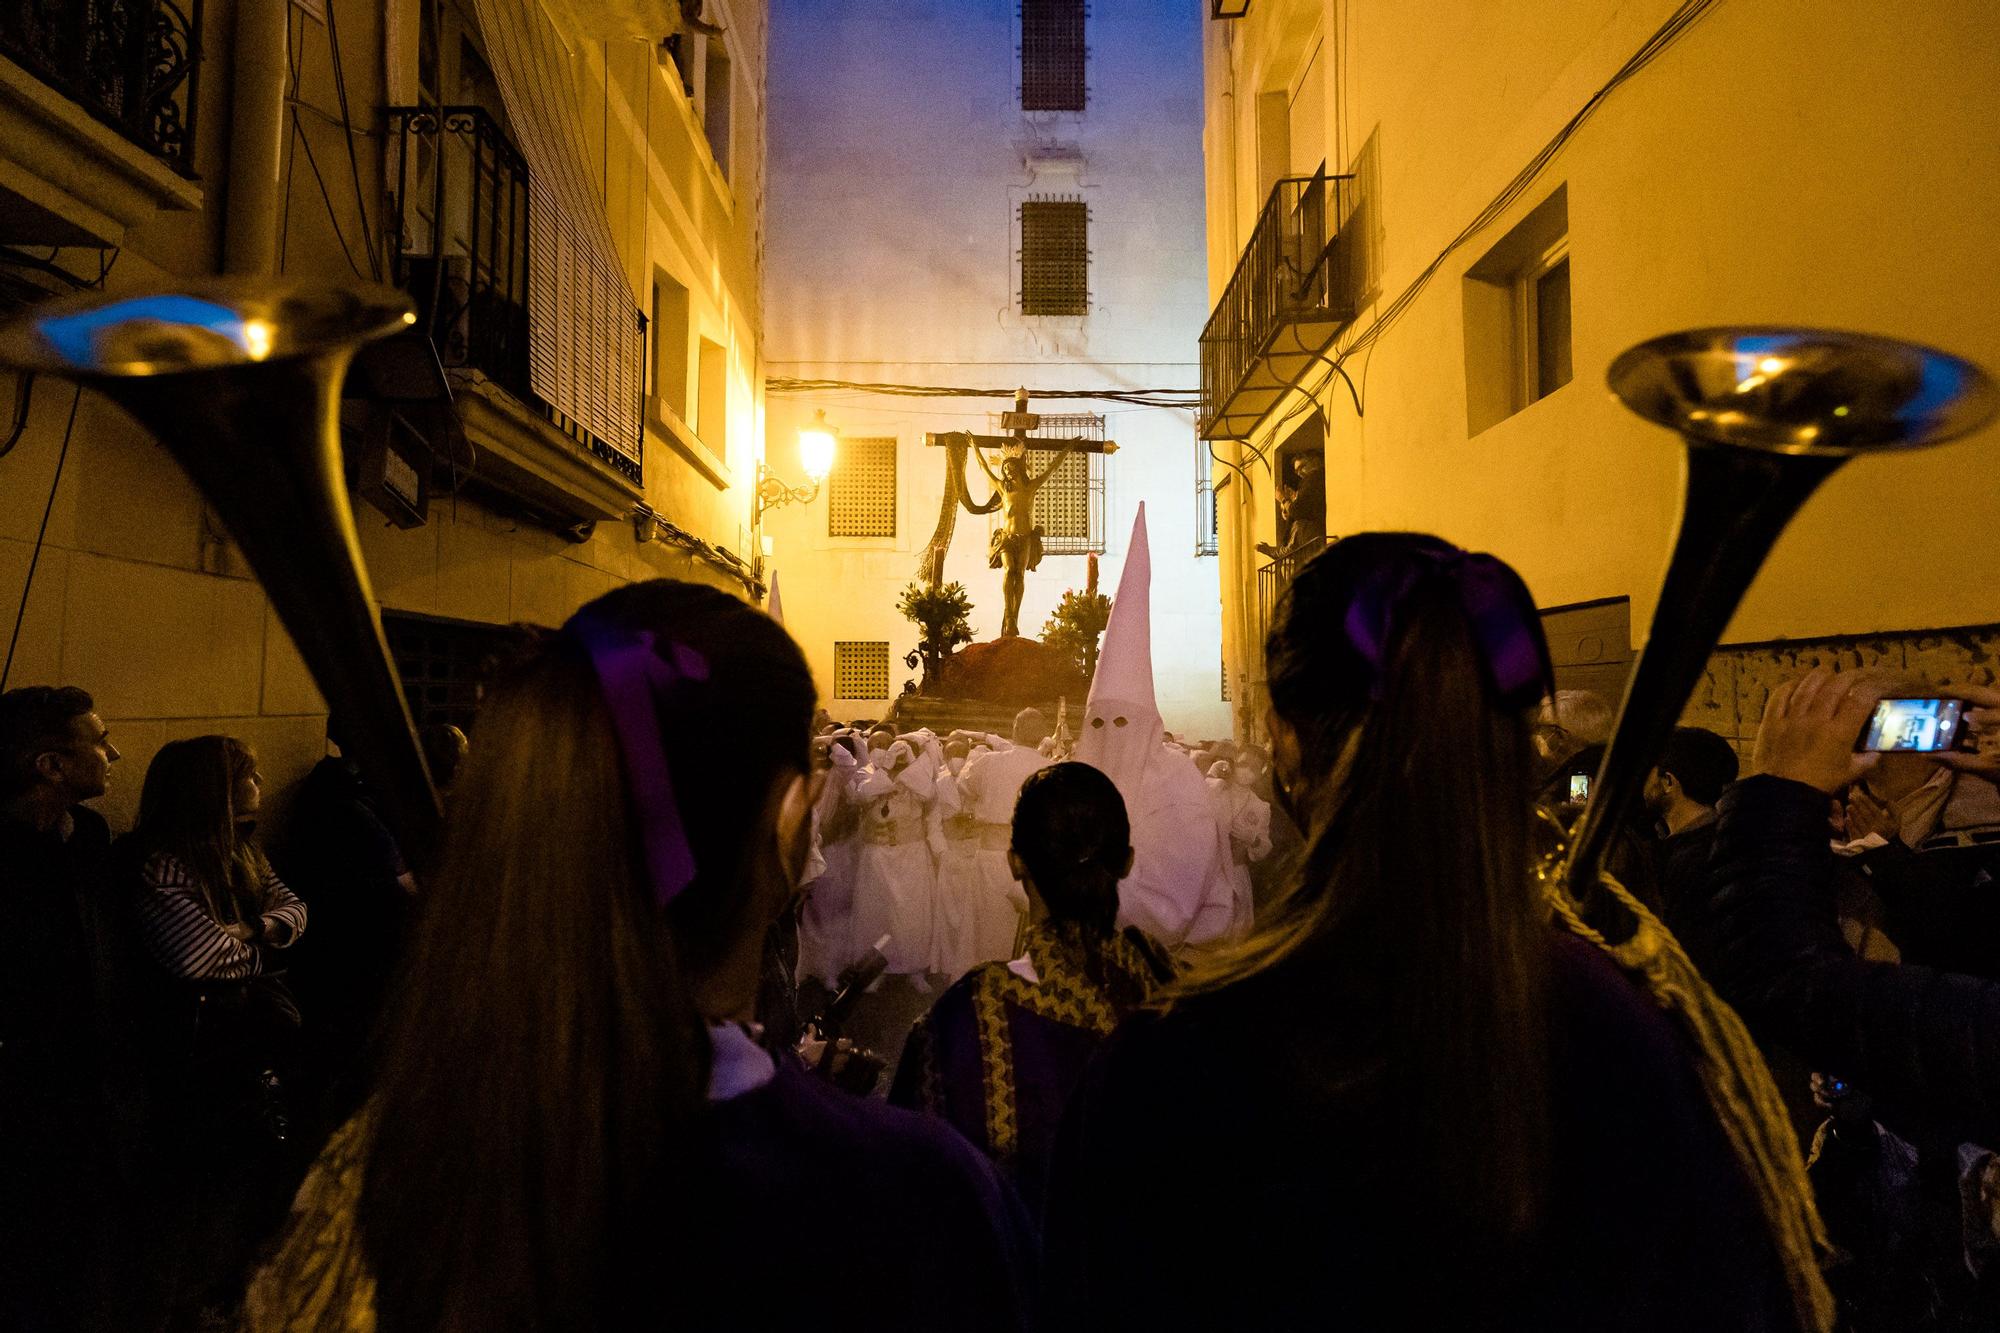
(1183, 399)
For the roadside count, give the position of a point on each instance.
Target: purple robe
(1000, 1052)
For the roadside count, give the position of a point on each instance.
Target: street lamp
(816, 446)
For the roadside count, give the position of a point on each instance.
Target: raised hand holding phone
(1980, 732)
(1810, 724)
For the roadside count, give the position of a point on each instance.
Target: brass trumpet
(240, 380)
(1767, 414)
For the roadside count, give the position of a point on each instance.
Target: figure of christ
(1017, 546)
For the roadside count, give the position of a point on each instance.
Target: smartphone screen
(1922, 725)
(1579, 786)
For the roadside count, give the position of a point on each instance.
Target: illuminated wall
(1782, 162)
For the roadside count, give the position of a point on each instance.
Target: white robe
(1179, 891)
(1246, 826)
(952, 948)
(825, 923)
(993, 901)
(895, 875)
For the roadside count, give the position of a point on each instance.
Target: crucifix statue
(1017, 544)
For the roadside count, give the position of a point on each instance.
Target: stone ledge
(68, 179)
(525, 456)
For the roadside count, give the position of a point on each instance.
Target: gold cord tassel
(1739, 1088)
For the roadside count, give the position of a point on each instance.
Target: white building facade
(983, 195)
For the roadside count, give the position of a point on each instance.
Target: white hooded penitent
(1122, 727)
(1179, 890)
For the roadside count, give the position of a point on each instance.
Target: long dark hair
(1415, 789)
(546, 1066)
(187, 810)
(1072, 833)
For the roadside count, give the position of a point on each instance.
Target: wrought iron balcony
(1273, 577)
(1295, 288)
(461, 238)
(134, 65)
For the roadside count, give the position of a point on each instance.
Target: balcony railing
(133, 65)
(1274, 576)
(461, 201)
(1294, 289)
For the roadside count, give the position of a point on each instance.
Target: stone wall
(1730, 698)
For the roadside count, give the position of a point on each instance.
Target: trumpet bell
(206, 326)
(1824, 392)
(240, 381)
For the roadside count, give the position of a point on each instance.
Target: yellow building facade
(1759, 162)
(570, 192)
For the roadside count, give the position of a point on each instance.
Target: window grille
(1055, 257)
(1207, 519)
(1052, 55)
(1069, 508)
(860, 670)
(445, 665)
(861, 493)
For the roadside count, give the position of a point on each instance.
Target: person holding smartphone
(1922, 831)
(1925, 1042)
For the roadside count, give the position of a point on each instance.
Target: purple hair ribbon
(632, 674)
(1510, 643)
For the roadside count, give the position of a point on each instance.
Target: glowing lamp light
(816, 445)
(258, 335)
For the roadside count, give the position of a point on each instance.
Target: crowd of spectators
(1412, 1086)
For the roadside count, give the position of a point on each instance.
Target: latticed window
(1052, 55)
(1055, 257)
(861, 493)
(444, 665)
(1069, 508)
(860, 670)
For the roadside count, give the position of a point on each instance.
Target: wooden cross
(1015, 442)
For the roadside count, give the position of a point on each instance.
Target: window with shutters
(1069, 508)
(586, 343)
(860, 670)
(1052, 55)
(1055, 257)
(861, 493)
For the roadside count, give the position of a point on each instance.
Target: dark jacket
(72, 1105)
(1232, 1164)
(1924, 1043)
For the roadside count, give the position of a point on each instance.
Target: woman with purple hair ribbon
(573, 1125)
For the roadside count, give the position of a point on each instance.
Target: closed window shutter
(586, 348)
